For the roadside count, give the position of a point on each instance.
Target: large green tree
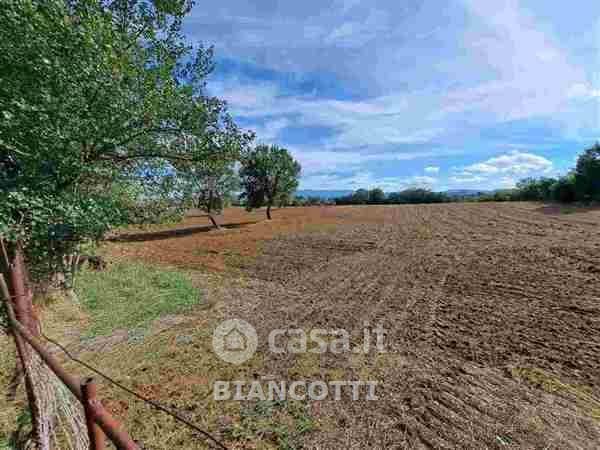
(268, 173)
(94, 95)
(93, 98)
(587, 174)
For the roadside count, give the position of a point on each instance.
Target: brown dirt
(195, 244)
(492, 314)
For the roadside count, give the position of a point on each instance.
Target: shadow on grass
(175, 233)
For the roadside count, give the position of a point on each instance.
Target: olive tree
(268, 174)
(208, 182)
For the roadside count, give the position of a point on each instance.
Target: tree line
(378, 197)
(581, 184)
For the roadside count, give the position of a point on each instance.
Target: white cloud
(503, 170)
(315, 162)
(387, 120)
(582, 91)
(365, 180)
(432, 169)
(515, 162)
(426, 77)
(466, 178)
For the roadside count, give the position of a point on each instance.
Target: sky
(460, 94)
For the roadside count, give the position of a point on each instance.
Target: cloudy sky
(455, 94)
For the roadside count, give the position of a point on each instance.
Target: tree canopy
(268, 174)
(94, 99)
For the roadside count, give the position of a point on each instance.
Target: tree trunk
(269, 212)
(21, 298)
(214, 222)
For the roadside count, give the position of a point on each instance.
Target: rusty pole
(89, 394)
(21, 301)
(109, 425)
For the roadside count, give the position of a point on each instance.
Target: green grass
(131, 295)
(283, 423)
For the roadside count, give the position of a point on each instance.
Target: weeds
(130, 295)
(281, 422)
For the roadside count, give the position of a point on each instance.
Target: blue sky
(471, 94)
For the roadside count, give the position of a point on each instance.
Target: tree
(209, 184)
(210, 181)
(564, 190)
(587, 174)
(535, 189)
(268, 173)
(360, 197)
(376, 196)
(93, 96)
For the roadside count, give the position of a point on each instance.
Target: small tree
(376, 196)
(210, 179)
(268, 174)
(211, 183)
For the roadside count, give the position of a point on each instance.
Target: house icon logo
(235, 341)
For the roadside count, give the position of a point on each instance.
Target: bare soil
(492, 314)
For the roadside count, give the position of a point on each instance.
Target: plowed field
(491, 312)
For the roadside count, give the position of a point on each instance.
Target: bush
(563, 190)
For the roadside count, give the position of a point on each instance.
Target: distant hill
(322, 194)
(466, 192)
(326, 195)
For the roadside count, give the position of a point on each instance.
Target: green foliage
(582, 185)
(359, 197)
(94, 99)
(563, 190)
(128, 295)
(532, 189)
(587, 174)
(285, 422)
(417, 195)
(210, 183)
(377, 197)
(268, 174)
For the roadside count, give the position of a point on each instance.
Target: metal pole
(108, 424)
(89, 393)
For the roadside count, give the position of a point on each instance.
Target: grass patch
(583, 395)
(130, 295)
(282, 423)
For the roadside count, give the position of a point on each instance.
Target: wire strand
(146, 400)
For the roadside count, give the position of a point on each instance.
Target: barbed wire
(153, 403)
